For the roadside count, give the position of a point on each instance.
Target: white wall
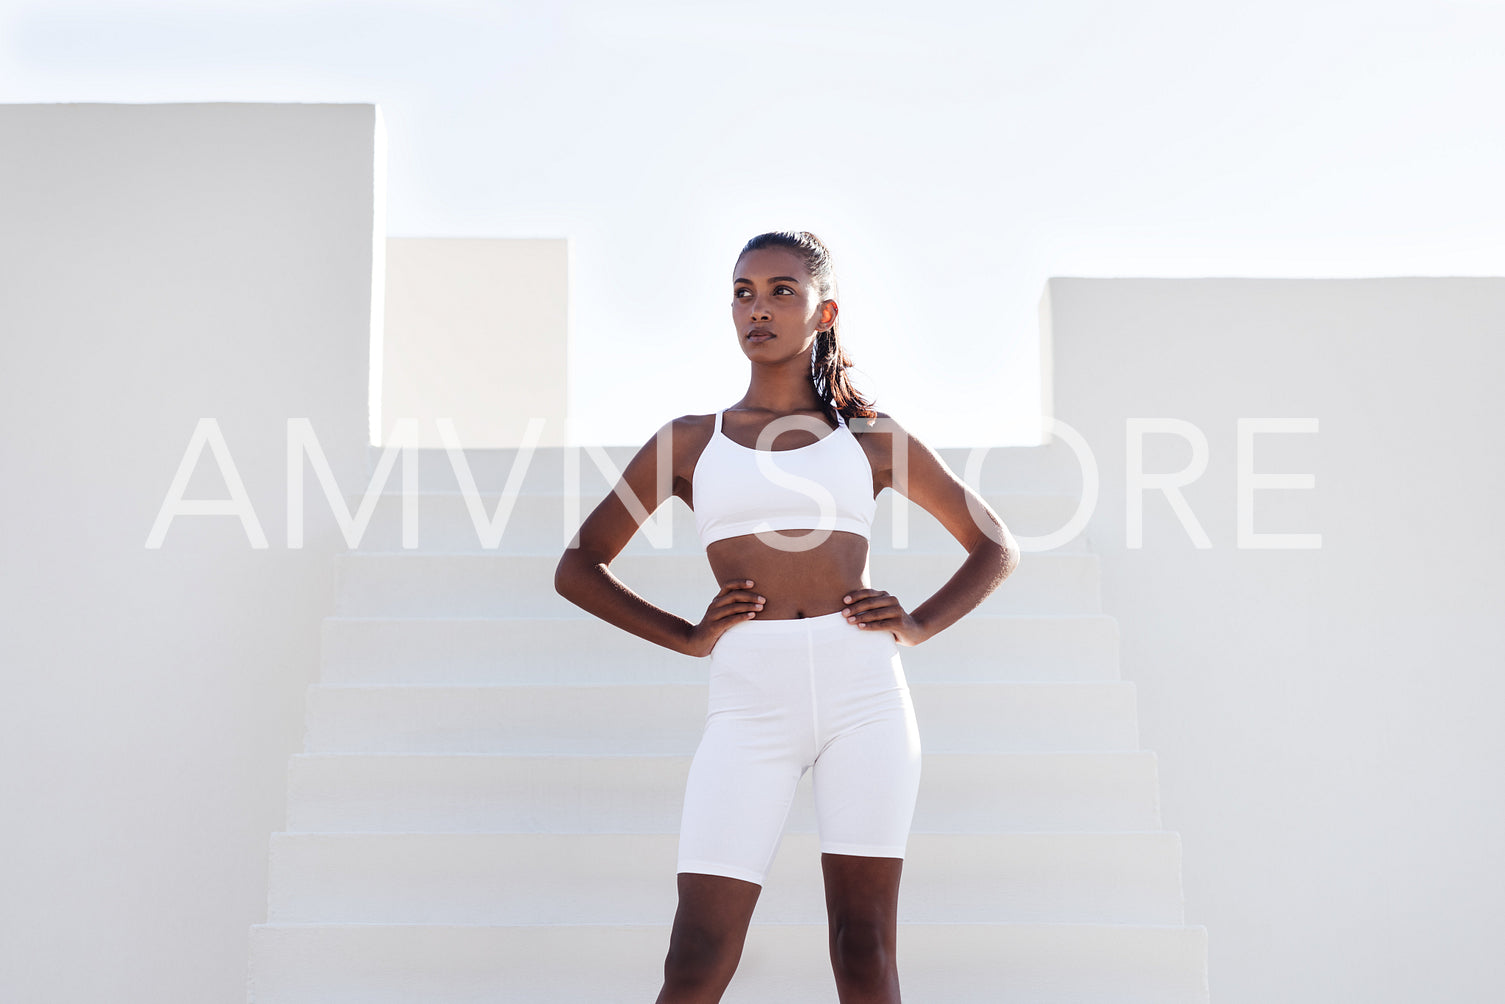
(475, 332)
(1327, 720)
(159, 264)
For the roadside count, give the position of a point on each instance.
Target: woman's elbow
(572, 567)
(567, 573)
(1010, 560)
(1008, 548)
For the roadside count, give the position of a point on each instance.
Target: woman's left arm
(920, 475)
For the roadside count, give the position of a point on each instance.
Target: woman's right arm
(583, 575)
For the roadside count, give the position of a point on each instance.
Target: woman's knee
(862, 950)
(701, 946)
(700, 959)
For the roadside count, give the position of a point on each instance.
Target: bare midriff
(805, 583)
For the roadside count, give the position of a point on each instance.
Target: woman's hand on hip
(878, 610)
(735, 601)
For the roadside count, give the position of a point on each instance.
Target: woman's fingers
(871, 606)
(861, 600)
(738, 599)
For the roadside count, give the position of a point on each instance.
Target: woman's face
(771, 290)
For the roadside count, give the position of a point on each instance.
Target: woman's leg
(862, 907)
(705, 946)
(755, 748)
(867, 779)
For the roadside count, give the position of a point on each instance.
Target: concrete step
(670, 718)
(959, 793)
(628, 878)
(783, 963)
(446, 522)
(479, 584)
(585, 649)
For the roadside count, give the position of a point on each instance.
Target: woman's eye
(738, 293)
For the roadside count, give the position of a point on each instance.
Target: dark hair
(828, 361)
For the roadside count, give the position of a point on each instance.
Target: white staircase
(488, 803)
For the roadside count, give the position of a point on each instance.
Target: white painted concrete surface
(476, 333)
(1325, 720)
(159, 265)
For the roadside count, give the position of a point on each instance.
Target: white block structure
(487, 803)
(474, 332)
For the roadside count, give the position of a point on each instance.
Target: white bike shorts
(787, 696)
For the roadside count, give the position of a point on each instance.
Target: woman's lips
(759, 336)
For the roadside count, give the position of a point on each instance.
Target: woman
(804, 671)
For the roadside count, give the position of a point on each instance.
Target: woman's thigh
(757, 745)
(867, 773)
(737, 799)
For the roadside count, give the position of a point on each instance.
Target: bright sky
(953, 155)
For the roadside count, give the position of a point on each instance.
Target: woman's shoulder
(693, 424)
(688, 423)
(878, 421)
(686, 435)
(881, 433)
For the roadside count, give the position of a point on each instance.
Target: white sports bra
(824, 485)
